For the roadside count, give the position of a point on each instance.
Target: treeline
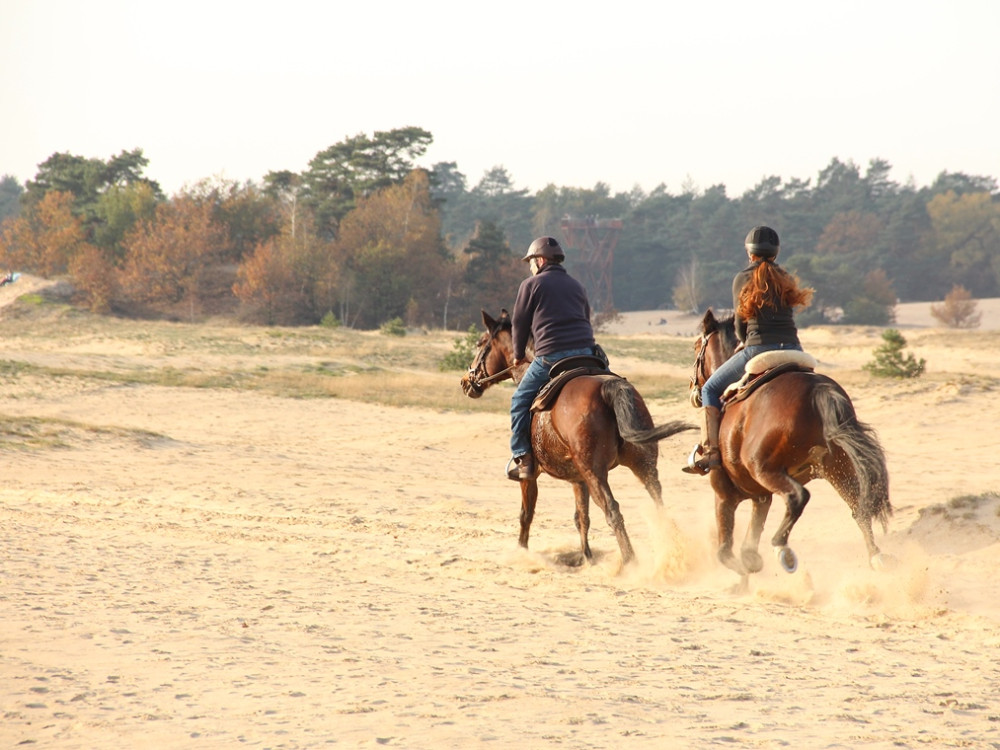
(363, 236)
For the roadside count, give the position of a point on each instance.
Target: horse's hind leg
(847, 487)
(796, 497)
(529, 496)
(641, 459)
(601, 491)
(581, 518)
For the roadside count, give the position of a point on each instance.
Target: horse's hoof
(730, 560)
(752, 560)
(789, 562)
(882, 561)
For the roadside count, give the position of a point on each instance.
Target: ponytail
(771, 286)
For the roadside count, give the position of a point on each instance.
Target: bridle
(701, 373)
(477, 376)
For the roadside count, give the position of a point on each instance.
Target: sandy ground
(196, 568)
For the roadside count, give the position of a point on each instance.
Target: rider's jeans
(534, 378)
(732, 370)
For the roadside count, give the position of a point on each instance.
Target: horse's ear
(708, 322)
(488, 321)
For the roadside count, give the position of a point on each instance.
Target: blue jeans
(534, 378)
(732, 370)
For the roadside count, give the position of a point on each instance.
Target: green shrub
(463, 349)
(393, 327)
(330, 320)
(889, 360)
(865, 312)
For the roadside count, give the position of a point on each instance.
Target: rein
(700, 376)
(478, 378)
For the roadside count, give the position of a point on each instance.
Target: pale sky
(629, 93)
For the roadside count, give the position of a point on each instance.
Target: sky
(630, 94)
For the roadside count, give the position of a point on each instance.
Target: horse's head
(493, 358)
(715, 344)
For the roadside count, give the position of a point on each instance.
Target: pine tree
(889, 360)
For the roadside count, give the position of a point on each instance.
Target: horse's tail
(633, 424)
(858, 440)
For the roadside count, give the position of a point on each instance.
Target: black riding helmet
(763, 242)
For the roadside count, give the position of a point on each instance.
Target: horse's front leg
(725, 522)
(581, 518)
(529, 496)
(752, 560)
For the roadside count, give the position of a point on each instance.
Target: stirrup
(701, 466)
(514, 470)
(511, 470)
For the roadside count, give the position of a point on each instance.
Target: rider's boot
(521, 467)
(711, 457)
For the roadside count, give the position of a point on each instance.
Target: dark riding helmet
(545, 247)
(763, 242)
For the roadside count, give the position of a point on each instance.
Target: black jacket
(552, 307)
(770, 326)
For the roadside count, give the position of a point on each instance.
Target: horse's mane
(724, 326)
(506, 325)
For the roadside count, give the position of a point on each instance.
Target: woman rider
(764, 297)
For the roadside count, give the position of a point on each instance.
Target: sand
(213, 569)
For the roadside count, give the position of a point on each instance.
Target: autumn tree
(250, 214)
(393, 256)
(958, 310)
(850, 234)
(167, 257)
(44, 237)
(94, 279)
(291, 278)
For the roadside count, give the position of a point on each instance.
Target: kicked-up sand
(218, 567)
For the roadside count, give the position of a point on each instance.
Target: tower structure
(593, 243)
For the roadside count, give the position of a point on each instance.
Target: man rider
(552, 309)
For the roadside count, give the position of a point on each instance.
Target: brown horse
(799, 426)
(597, 422)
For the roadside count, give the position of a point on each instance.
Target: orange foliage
(392, 242)
(45, 237)
(94, 278)
(848, 232)
(289, 279)
(958, 310)
(165, 259)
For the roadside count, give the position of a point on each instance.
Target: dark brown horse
(597, 422)
(799, 426)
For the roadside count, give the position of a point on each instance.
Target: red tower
(592, 242)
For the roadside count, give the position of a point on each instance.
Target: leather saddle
(766, 367)
(564, 371)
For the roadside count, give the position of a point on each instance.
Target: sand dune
(193, 567)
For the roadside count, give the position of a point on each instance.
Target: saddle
(765, 367)
(564, 371)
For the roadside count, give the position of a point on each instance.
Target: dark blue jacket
(552, 307)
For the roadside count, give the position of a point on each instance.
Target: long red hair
(771, 286)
